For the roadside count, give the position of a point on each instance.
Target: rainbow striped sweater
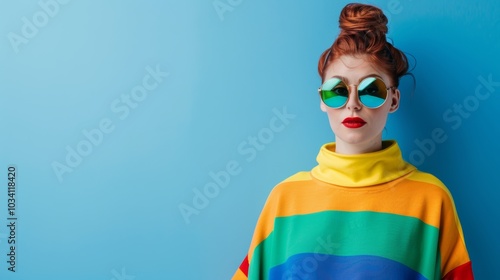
(366, 216)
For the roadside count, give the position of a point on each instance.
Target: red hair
(363, 30)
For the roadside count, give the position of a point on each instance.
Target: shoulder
(297, 177)
(425, 177)
(292, 184)
(429, 184)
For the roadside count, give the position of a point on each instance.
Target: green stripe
(404, 239)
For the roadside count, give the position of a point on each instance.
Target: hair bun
(361, 18)
(363, 31)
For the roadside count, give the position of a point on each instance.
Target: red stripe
(463, 272)
(244, 266)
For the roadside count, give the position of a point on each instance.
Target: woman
(362, 212)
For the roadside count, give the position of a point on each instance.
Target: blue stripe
(324, 267)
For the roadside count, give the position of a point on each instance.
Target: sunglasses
(372, 92)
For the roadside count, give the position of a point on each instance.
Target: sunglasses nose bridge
(353, 99)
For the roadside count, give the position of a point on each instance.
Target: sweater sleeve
(253, 264)
(455, 261)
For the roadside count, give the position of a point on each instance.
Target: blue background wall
(116, 114)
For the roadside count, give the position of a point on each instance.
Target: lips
(353, 122)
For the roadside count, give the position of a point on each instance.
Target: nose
(353, 101)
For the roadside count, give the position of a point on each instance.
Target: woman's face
(358, 136)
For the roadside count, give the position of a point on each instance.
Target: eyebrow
(360, 79)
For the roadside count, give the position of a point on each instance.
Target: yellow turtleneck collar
(361, 170)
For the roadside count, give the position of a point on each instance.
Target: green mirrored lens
(334, 93)
(372, 92)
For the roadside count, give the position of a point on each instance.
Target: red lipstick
(353, 122)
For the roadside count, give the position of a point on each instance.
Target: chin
(351, 137)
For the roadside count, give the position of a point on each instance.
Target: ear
(322, 105)
(394, 101)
